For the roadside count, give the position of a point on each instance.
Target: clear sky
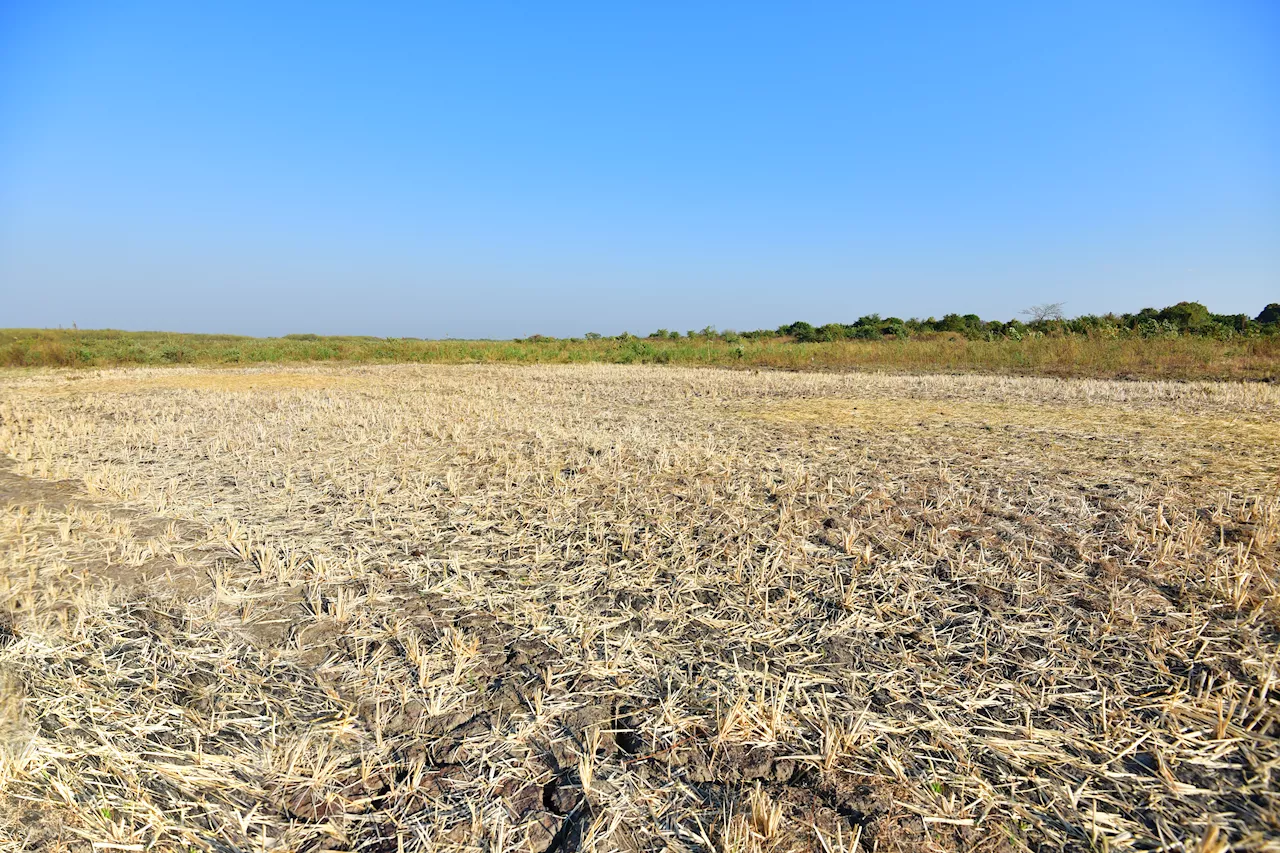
(485, 169)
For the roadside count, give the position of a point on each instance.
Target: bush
(641, 352)
(1237, 322)
(1152, 328)
(800, 330)
(175, 354)
(1185, 315)
(1270, 315)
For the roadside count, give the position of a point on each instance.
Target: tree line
(1181, 319)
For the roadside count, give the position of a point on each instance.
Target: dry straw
(617, 608)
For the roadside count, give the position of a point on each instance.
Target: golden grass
(874, 414)
(630, 608)
(176, 379)
(1227, 444)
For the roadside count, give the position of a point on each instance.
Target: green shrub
(176, 354)
(640, 352)
(1185, 315)
(1152, 328)
(803, 332)
(897, 328)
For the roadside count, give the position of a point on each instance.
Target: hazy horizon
(498, 170)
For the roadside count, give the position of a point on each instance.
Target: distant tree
(1235, 322)
(1149, 327)
(1014, 330)
(592, 336)
(1270, 314)
(1185, 315)
(801, 331)
(1045, 312)
(661, 333)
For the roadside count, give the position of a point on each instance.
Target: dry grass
(1187, 357)
(186, 379)
(623, 608)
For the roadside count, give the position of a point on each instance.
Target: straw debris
(566, 608)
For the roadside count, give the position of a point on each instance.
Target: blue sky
(502, 169)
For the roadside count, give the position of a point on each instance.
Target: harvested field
(559, 608)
